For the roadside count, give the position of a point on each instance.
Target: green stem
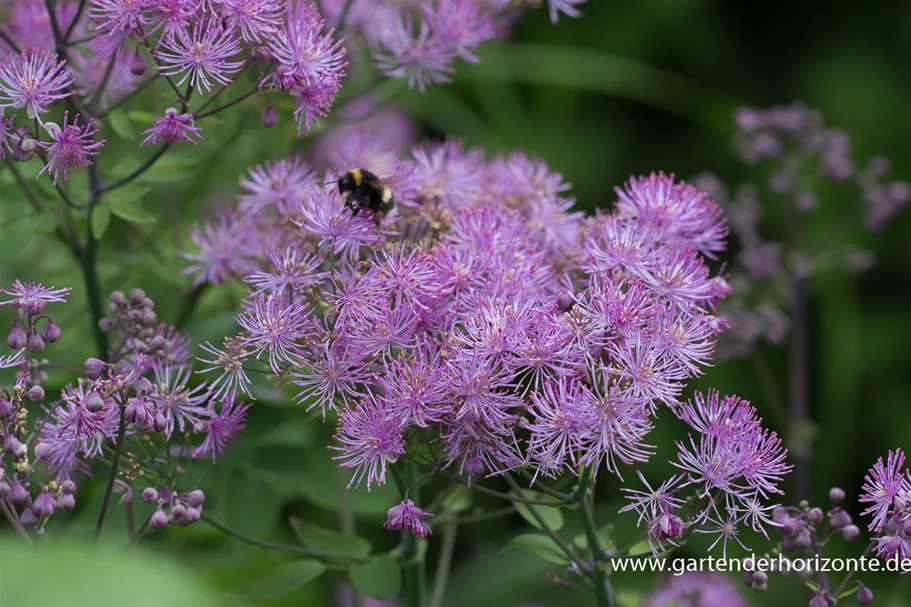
(346, 520)
(546, 528)
(308, 552)
(441, 579)
(118, 448)
(604, 592)
(415, 573)
(139, 171)
(506, 496)
(88, 261)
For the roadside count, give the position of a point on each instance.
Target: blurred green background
(631, 87)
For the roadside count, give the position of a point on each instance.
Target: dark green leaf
(459, 500)
(125, 203)
(379, 577)
(553, 517)
(605, 538)
(101, 219)
(142, 117)
(121, 125)
(282, 580)
(75, 582)
(327, 540)
(541, 545)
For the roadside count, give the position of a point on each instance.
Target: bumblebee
(364, 191)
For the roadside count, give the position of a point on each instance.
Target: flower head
(30, 299)
(70, 145)
(172, 127)
(201, 54)
(884, 483)
(222, 427)
(369, 439)
(408, 517)
(33, 80)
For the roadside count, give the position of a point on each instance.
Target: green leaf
(125, 203)
(541, 545)
(628, 598)
(44, 222)
(101, 219)
(141, 117)
(552, 516)
(328, 540)
(379, 577)
(605, 538)
(459, 500)
(127, 193)
(121, 125)
(127, 573)
(282, 580)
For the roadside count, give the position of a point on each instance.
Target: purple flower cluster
(802, 152)
(143, 394)
(519, 332)
(93, 55)
(696, 590)
(733, 465)
(887, 491)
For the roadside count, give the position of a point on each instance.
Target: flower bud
(35, 343)
(748, 578)
(159, 520)
(16, 339)
(565, 302)
(10, 444)
(51, 332)
(802, 540)
(850, 533)
(760, 577)
(22, 451)
(138, 65)
(44, 505)
(192, 515)
(836, 495)
(68, 487)
(137, 296)
(6, 408)
(43, 450)
(136, 412)
(196, 498)
(178, 512)
(18, 494)
(4, 489)
(149, 495)
(839, 518)
(143, 386)
(160, 422)
(66, 502)
(864, 596)
(815, 515)
(270, 118)
(94, 368)
(28, 518)
(93, 402)
(820, 600)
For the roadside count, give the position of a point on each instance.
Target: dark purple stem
(800, 385)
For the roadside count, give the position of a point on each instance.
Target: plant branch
(74, 22)
(604, 591)
(13, 519)
(441, 579)
(190, 301)
(88, 261)
(227, 105)
(282, 547)
(118, 448)
(506, 496)
(565, 547)
(142, 86)
(138, 172)
(9, 42)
